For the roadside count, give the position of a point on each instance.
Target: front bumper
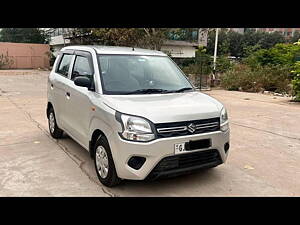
(156, 150)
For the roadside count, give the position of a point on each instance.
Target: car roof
(115, 50)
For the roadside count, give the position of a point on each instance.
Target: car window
(165, 67)
(121, 74)
(64, 65)
(82, 67)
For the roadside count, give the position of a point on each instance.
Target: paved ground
(264, 157)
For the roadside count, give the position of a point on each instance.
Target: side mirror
(83, 82)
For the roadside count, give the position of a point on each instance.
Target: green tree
(296, 37)
(251, 37)
(223, 42)
(23, 35)
(268, 40)
(152, 38)
(241, 45)
(235, 40)
(261, 39)
(223, 64)
(280, 54)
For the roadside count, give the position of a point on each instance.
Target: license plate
(180, 148)
(192, 145)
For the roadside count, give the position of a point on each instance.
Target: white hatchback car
(135, 112)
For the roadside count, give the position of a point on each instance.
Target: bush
(270, 78)
(280, 54)
(239, 77)
(5, 61)
(201, 64)
(296, 81)
(296, 88)
(184, 62)
(274, 65)
(204, 65)
(223, 64)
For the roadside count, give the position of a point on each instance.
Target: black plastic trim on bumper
(174, 165)
(179, 172)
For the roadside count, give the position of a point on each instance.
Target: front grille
(177, 164)
(165, 130)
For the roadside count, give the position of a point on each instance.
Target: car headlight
(224, 120)
(135, 128)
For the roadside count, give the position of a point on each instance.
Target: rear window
(64, 65)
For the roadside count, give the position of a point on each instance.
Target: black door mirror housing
(83, 82)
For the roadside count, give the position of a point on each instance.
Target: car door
(79, 106)
(57, 86)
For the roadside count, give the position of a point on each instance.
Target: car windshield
(133, 74)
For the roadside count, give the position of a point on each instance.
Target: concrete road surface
(264, 158)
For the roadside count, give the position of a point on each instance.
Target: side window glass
(82, 68)
(64, 65)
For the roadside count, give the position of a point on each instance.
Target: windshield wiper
(182, 89)
(148, 91)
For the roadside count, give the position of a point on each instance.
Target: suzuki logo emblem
(191, 128)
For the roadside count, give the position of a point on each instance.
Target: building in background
(238, 30)
(57, 38)
(178, 46)
(185, 44)
(287, 32)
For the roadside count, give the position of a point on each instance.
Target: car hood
(163, 108)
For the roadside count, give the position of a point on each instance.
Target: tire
(54, 130)
(103, 157)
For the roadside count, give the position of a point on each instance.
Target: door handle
(68, 95)
(51, 86)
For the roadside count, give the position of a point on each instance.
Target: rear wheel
(55, 131)
(104, 164)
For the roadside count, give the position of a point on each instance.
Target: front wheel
(104, 164)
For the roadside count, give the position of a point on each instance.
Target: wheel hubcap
(102, 161)
(51, 122)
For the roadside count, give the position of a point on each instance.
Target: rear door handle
(51, 86)
(68, 95)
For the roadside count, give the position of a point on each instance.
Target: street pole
(64, 39)
(199, 41)
(201, 71)
(215, 53)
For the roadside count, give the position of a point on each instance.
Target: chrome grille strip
(183, 128)
(198, 128)
(171, 129)
(206, 124)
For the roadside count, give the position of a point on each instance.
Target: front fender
(103, 119)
